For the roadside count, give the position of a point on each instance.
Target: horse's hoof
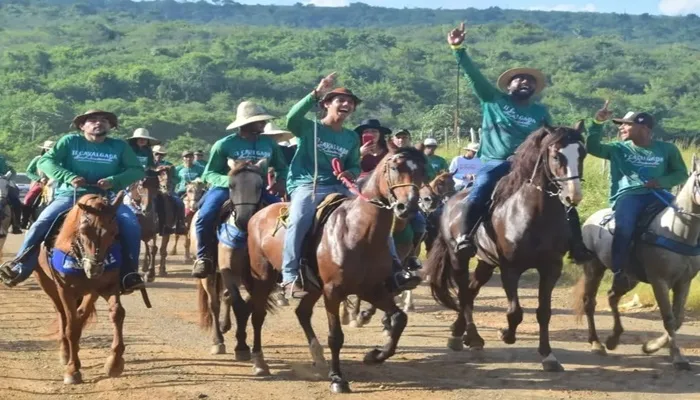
(611, 342)
(552, 366)
(355, 323)
(218, 349)
(261, 371)
(340, 387)
(597, 348)
(386, 333)
(455, 344)
(505, 336)
(241, 355)
(114, 366)
(75, 379)
(409, 308)
(372, 357)
(476, 347)
(162, 273)
(682, 365)
(150, 278)
(225, 327)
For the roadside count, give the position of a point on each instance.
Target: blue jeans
(418, 223)
(301, 217)
(209, 210)
(486, 179)
(129, 234)
(628, 208)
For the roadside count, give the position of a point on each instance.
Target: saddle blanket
(66, 264)
(230, 236)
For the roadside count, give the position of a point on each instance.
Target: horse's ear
(580, 126)
(391, 146)
(231, 163)
(118, 200)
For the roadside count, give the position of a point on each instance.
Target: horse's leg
(50, 288)
(213, 297)
(163, 254)
(509, 279)
(335, 343)
(151, 275)
(482, 274)
(232, 263)
(114, 366)
(71, 374)
(594, 272)
(258, 304)
(671, 325)
(398, 321)
(365, 317)
(614, 296)
(408, 301)
(304, 312)
(173, 249)
(146, 257)
(548, 279)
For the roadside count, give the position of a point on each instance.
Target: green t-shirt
(74, 156)
(32, 170)
(186, 175)
(145, 156)
(343, 145)
(438, 163)
(661, 161)
(506, 124)
(237, 148)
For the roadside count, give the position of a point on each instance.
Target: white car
(23, 183)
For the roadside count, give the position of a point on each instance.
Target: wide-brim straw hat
(280, 135)
(472, 147)
(247, 113)
(506, 77)
(80, 119)
(47, 145)
(159, 150)
(142, 133)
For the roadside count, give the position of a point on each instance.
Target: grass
(595, 197)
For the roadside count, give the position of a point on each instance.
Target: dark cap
(640, 118)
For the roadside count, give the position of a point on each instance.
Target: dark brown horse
(144, 196)
(89, 229)
(527, 228)
(193, 193)
(351, 254)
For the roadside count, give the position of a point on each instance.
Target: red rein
(338, 169)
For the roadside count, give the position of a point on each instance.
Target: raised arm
(482, 88)
(297, 123)
(594, 146)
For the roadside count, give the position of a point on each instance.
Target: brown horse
(89, 229)
(168, 211)
(349, 252)
(245, 195)
(527, 228)
(145, 198)
(193, 193)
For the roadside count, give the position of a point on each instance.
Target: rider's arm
(278, 162)
(215, 173)
(131, 169)
(482, 88)
(32, 171)
(51, 163)
(594, 146)
(676, 171)
(297, 123)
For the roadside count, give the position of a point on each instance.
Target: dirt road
(167, 356)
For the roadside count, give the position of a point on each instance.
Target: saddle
(308, 266)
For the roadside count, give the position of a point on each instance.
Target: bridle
(551, 179)
(391, 174)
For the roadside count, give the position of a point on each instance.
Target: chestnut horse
(145, 198)
(527, 228)
(193, 193)
(349, 252)
(88, 231)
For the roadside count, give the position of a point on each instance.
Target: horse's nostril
(400, 207)
(427, 200)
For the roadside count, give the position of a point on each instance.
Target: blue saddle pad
(68, 265)
(232, 237)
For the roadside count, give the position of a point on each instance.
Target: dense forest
(180, 69)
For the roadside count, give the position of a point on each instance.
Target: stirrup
(9, 277)
(140, 286)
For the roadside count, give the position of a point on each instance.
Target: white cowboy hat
(159, 149)
(280, 135)
(472, 147)
(142, 133)
(247, 113)
(47, 145)
(430, 142)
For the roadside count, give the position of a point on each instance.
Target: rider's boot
(401, 279)
(412, 262)
(202, 268)
(16, 219)
(578, 252)
(465, 244)
(9, 276)
(26, 216)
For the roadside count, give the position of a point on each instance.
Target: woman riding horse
(82, 164)
(312, 177)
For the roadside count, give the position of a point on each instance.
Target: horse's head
(89, 231)
(4, 187)
(431, 194)
(565, 154)
(401, 173)
(194, 191)
(246, 187)
(695, 179)
(148, 189)
(165, 180)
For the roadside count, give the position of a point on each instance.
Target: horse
(193, 193)
(337, 250)
(168, 211)
(441, 188)
(5, 210)
(88, 231)
(664, 269)
(222, 288)
(526, 227)
(41, 202)
(145, 196)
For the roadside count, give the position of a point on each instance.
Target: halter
(551, 178)
(393, 200)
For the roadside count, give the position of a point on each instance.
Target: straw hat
(340, 91)
(506, 77)
(247, 113)
(280, 135)
(47, 145)
(472, 147)
(142, 133)
(187, 153)
(159, 150)
(80, 119)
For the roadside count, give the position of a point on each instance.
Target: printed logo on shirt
(94, 157)
(520, 120)
(331, 149)
(251, 154)
(640, 160)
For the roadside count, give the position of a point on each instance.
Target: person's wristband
(595, 121)
(457, 46)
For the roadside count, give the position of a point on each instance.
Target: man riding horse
(247, 144)
(85, 163)
(510, 115)
(39, 180)
(187, 172)
(641, 170)
(162, 166)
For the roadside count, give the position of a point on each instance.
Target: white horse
(665, 270)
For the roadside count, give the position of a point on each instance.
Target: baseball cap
(640, 118)
(430, 142)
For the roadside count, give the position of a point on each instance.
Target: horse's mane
(243, 166)
(532, 149)
(71, 224)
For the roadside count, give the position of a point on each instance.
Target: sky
(665, 7)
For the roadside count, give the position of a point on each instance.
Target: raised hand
(326, 84)
(457, 35)
(603, 114)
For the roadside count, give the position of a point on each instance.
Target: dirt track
(167, 356)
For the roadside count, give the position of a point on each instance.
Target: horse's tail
(579, 295)
(205, 318)
(439, 268)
